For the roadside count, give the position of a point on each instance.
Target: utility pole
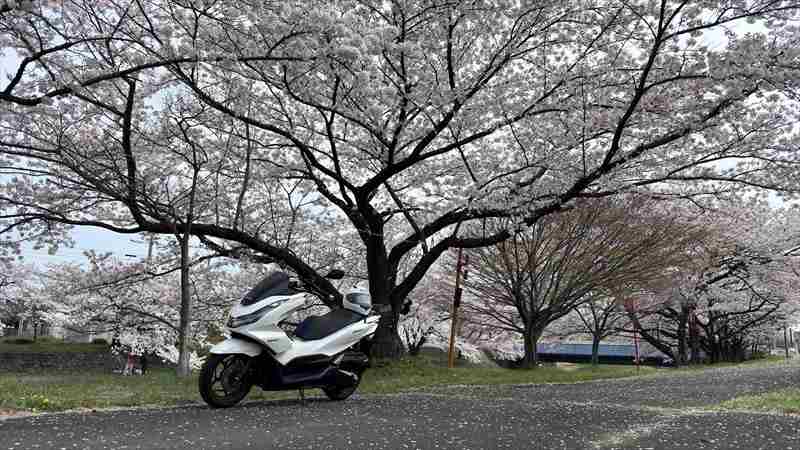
(451, 354)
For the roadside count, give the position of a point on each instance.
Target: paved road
(651, 412)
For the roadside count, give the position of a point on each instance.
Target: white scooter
(324, 351)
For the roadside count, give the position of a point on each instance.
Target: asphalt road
(663, 412)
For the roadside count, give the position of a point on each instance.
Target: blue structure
(608, 354)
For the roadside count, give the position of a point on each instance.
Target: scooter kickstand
(302, 393)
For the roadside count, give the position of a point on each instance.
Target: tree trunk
(595, 350)
(531, 359)
(386, 344)
(184, 369)
(716, 350)
(682, 348)
(797, 342)
(663, 347)
(694, 339)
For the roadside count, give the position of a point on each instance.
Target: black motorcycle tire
(210, 375)
(339, 393)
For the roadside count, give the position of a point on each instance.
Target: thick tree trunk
(595, 350)
(531, 359)
(184, 368)
(386, 344)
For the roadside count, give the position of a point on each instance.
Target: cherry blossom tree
(402, 121)
(141, 303)
(741, 280)
(564, 261)
(20, 296)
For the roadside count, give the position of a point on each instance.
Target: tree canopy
(397, 122)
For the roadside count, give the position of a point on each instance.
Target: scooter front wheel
(224, 380)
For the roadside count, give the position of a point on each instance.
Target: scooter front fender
(234, 346)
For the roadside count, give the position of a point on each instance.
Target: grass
(418, 373)
(785, 401)
(48, 345)
(770, 360)
(58, 391)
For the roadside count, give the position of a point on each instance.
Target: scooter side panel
(272, 336)
(236, 346)
(329, 345)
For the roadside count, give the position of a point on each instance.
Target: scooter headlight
(247, 319)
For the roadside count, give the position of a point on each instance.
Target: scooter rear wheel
(338, 393)
(223, 380)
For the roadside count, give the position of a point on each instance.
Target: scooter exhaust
(348, 368)
(344, 378)
(352, 361)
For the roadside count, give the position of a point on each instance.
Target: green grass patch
(766, 361)
(47, 345)
(411, 374)
(784, 401)
(58, 391)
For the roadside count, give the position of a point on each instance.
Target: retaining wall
(28, 362)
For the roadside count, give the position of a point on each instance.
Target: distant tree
(600, 317)
(543, 273)
(20, 296)
(741, 279)
(141, 304)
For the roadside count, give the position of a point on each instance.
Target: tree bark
(681, 331)
(184, 368)
(595, 349)
(662, 346)
(786, 341)
(531, 359)
(694, 339)
(386, 344)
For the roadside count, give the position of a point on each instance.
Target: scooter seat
(318, 327)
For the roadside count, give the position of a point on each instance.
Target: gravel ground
(650, 412)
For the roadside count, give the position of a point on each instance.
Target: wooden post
(451, 354)
(636, 348)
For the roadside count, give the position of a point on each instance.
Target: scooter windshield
(276, 283)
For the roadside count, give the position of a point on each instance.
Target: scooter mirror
(335, 274)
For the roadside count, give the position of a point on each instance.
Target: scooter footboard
(236, 346)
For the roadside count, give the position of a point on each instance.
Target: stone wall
(29, 362)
